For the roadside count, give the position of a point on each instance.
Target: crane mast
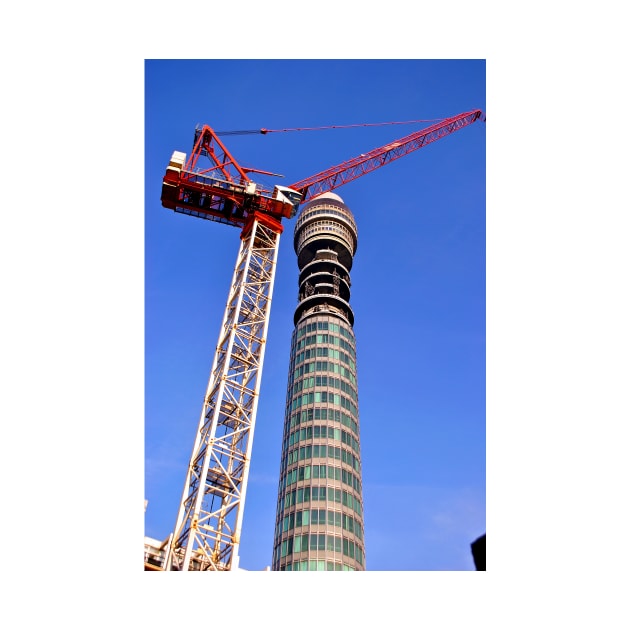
(209, 521)
(207, 532)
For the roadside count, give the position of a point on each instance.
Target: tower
(319, 515)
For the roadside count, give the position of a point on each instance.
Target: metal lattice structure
(208, 528)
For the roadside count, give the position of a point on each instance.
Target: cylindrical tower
(319, 515)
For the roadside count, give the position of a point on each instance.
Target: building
(478, 549)
(319, 515)
(154, 553)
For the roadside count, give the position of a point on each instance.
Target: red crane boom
(224, 192)
(351, 169)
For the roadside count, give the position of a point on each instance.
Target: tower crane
(209, 521)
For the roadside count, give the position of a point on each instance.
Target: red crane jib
(351, 169)
(224, 192)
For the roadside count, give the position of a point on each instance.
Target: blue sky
(418, 291)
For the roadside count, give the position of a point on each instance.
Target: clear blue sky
(418, 291)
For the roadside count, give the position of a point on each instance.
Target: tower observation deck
(319, 515)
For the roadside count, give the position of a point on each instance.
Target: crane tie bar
(265, 131)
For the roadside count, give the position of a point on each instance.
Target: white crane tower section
(208, 527)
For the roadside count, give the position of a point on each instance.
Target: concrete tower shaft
(319, 517)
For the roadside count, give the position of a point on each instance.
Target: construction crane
(207, 531)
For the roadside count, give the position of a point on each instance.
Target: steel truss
(208, 528)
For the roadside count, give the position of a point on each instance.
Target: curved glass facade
(319, 515)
